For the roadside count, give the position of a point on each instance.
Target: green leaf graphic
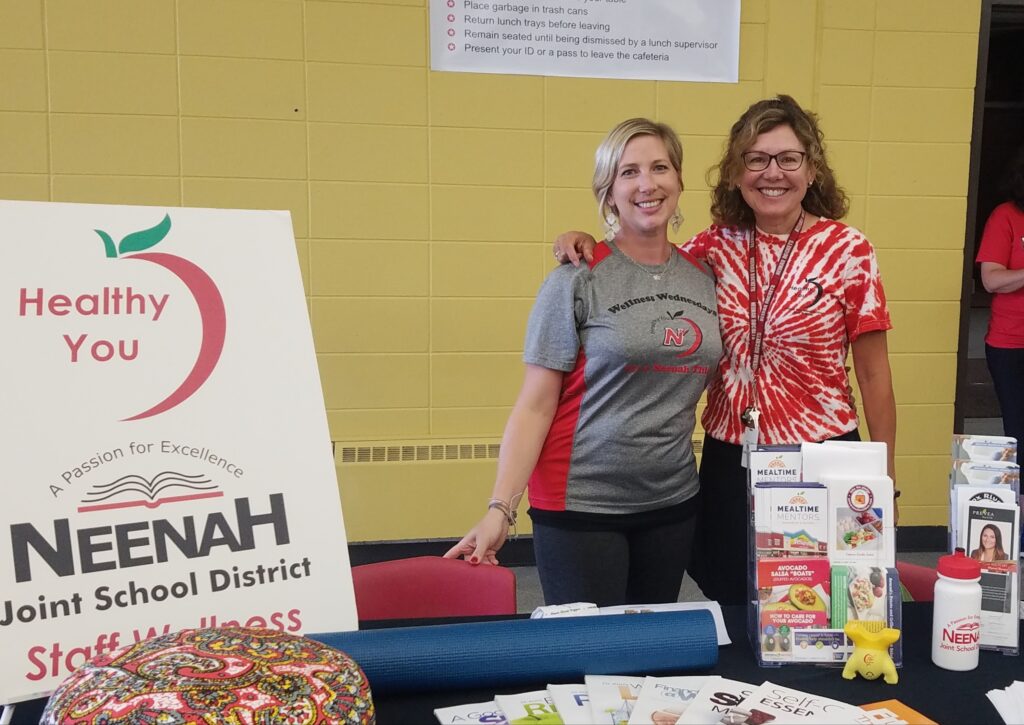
(137, 241)
(108, 243)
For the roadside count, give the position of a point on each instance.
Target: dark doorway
(998, 131)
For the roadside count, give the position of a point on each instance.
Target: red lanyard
(757, 320)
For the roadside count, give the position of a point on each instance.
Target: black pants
(613, 564)
(1007, 368)
(719, 564)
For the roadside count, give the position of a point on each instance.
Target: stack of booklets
(822, 549)
(984, 519)
(686, 700)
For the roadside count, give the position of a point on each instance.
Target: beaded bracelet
(507, 511)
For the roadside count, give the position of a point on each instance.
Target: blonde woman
(617, 354)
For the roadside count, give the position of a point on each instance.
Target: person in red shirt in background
(1001, 256)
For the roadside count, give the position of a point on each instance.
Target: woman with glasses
(796, 290)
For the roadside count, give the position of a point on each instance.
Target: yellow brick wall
(424, 203)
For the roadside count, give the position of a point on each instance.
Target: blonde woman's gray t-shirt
(637, 353)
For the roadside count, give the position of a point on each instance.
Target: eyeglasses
(786, 160)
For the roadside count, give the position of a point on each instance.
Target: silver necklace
(654, 271)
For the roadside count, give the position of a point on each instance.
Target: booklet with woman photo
(989, 532)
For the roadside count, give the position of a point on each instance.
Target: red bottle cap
(959, 566)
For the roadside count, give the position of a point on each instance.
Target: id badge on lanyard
(750, 416)
(751, 430)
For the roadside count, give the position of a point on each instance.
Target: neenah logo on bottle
(960, 635)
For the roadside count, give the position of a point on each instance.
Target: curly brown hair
(824, 198)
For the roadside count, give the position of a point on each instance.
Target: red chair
(919, 580)
(431, 586)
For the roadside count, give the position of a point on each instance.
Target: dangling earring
(611, 226)
(676, 220)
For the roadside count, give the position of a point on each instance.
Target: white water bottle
(956, 619)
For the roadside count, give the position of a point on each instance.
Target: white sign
(665, 40)
(166, 456)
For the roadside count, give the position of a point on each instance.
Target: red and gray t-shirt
(829, 295)
(637, 353)
(1003, 243)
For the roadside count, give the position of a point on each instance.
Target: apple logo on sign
(203, 290)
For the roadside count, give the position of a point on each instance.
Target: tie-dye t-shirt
(829, 295)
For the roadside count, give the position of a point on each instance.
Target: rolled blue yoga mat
(514, 652)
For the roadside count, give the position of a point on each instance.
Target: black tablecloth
(943, 696)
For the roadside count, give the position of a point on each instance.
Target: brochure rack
(984, 519)
(821, 551)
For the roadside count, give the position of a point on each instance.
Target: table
(943, 696)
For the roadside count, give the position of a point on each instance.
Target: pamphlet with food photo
(868, 594)
(792, 594)
(861, 527)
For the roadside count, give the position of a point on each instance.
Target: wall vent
(417, 452)
(432, 451)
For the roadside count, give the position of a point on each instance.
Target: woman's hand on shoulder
(572, 247)
(481, 544)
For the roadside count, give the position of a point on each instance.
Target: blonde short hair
(609, 153)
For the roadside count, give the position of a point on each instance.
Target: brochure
(984, 473)
(477, 712)
(790, 519)
(850, 458)
(860, 520)
(612, 697)
(572, 703)
(962, 495)
(988, 530)
(774, 463)
(792, 594)
(894, 712)
(771, 702)
(664, 699)
(1000, 605)
(984, 448)
(715, 700)
(868, 594)
(528, 708)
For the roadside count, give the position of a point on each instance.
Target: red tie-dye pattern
(830, 293)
